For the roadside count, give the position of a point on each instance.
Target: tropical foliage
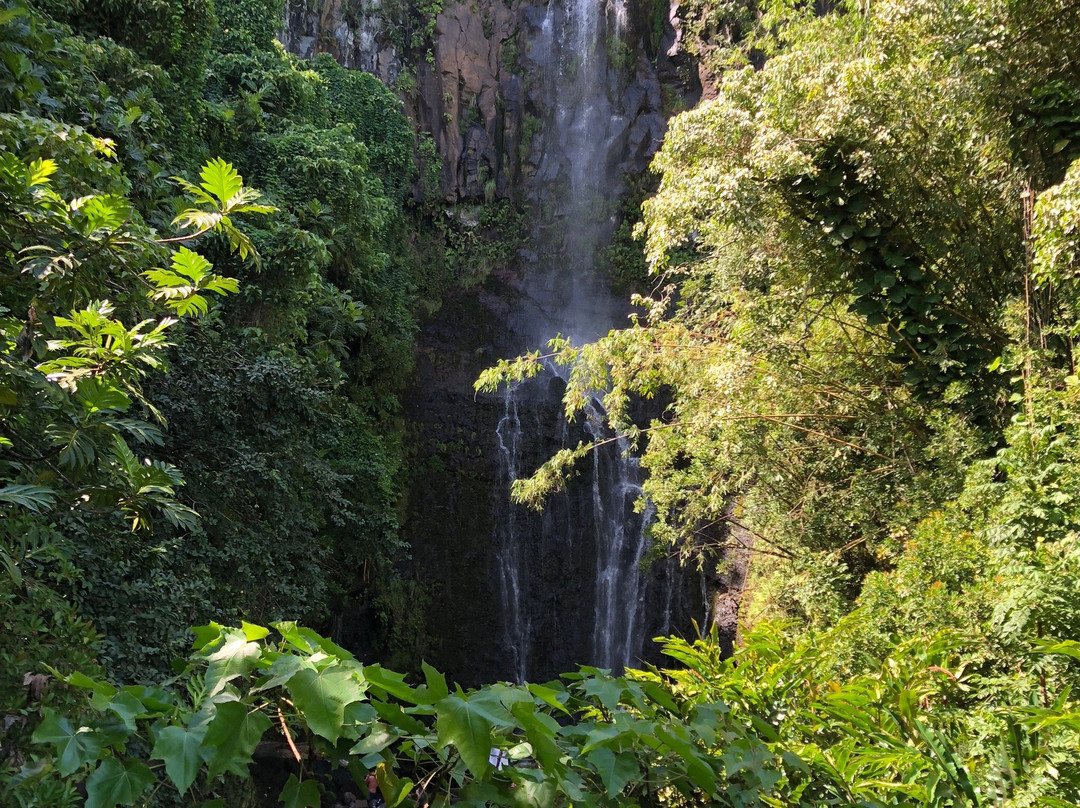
(134, 502)
(861, 347)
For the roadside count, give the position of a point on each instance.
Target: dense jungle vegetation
(867, 255)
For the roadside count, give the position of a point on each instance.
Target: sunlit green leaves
(221, 180)
(235, 657)
(181, 286)
(466, 727)
(323, 695)
(222, 192)
(232, 736)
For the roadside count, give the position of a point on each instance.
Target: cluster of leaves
(282, 404)
(932, 723)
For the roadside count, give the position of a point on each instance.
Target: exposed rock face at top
(352, 31)
(482, 93)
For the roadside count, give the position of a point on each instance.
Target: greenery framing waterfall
(852, 365)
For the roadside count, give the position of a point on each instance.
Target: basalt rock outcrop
(481, 85)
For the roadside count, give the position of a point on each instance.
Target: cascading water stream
(512, 566)
(575, 37)
(618, 532)
(621, 542)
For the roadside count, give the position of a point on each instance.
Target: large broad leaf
(234, 658)
(297, 794)
(378, 738)
(615, 770)
(540, 731)
(394, 684)
(231, 737)
(127, 707)
(436, 683)
(534, 794)
(605, 690)
(181, 749)
(464, 726)
(699, 772)
(284, 668)
(322, 695)
(114, 783)
(96, 395)
(190, 265)
(74, 745)
(550, 696)
(393, 714)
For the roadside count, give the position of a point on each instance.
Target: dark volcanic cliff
(552, 106)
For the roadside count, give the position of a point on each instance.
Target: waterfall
(557, 104)
(574, 301)
(621, 541)
(617, 532)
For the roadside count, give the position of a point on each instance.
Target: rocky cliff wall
(478, 82)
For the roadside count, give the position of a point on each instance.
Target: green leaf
(550, 696)
(232, 736)
(34, 498)
(74, 746)
(181, 749)
(462, 725)
(190, 265)
(297, 794)
(393, 714)
(380, 737)
(322, 695)
(220, 180)
(661, 696)
(400, 792)
(534, 794)
(127, 707)
(394, 684)
(253, 632)
(436, 683)
(114, 783)
(284, 668)
(236, 657)
(97, 395)
(615, 770)
(700, 773)
(605, 690)
(540, 731)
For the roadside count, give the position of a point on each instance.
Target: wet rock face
(484, 93)
(550, 104)
(458, 508)
(352, 31)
